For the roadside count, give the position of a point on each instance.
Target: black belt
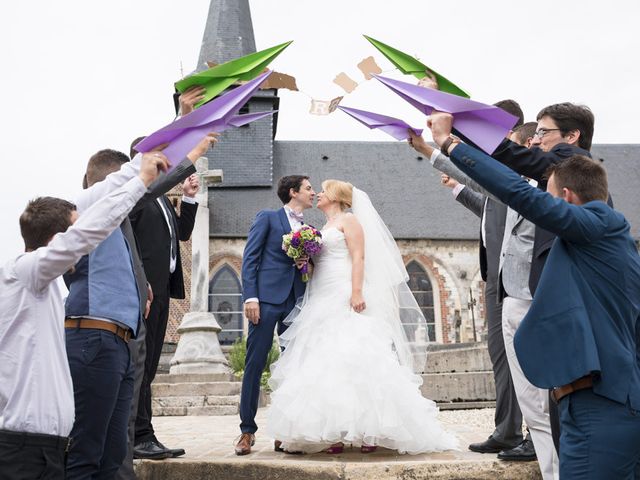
(25, 439)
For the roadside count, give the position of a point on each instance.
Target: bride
(346, 374)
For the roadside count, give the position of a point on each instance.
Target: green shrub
(238, 354)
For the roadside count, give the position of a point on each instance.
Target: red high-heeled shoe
(368, 448)
(335, 449)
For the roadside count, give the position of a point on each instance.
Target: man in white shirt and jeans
(36, 391)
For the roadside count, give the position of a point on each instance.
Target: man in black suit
(158, 228)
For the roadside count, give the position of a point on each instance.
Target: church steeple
(245, 154)
(228, 33)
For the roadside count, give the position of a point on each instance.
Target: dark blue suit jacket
(585, 315)
(267, 273)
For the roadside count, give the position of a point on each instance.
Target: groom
(271, 284)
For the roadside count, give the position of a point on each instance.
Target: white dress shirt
(36, 391)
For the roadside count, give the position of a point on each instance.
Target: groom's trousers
(259, 342)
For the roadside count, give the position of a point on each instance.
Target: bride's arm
(354, 237)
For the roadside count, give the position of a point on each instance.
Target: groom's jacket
(267, 273)
(585, 315)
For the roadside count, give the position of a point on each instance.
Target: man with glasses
(564, 130)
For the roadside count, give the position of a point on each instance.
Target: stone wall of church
(451, 266)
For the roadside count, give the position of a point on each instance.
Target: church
(437, 236)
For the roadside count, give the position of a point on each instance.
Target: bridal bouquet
(305, 242)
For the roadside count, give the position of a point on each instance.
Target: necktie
(296, 216)
(174, 240)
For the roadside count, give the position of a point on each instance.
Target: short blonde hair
(338, 191)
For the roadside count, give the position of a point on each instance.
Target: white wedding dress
(339, 378)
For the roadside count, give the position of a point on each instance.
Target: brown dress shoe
(246, 441)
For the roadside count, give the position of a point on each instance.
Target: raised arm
(189, 207)
(571, 222)
(38, 268)
(473, 201)
(444, 165)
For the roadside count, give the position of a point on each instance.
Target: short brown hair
(102, 163)
(569, 116)
(42, 219)
(287, 183)
(132, 151)
(512, 107)
(582, 175)
(526, 131)
(338, 191)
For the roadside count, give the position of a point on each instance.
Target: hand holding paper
(216, 116)
(395, 127)
(485, 125)
(218, 78)
(412, 66)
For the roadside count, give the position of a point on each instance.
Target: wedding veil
(387, 294)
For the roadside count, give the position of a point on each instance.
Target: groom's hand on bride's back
(252, 312)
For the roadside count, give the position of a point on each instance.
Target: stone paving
(209, 442)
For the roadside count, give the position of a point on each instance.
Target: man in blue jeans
(104, 310)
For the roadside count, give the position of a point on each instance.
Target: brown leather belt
(123, 333)
(560, 392)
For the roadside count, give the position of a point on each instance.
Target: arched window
(420, 286)
(225, 302)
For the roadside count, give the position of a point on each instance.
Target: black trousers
(156, 328)
(25, 456)
(137, 351)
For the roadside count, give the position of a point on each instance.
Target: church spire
(228, 33)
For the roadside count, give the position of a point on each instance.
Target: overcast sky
(79, 76)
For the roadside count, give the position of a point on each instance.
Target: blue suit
(584, 320)
(271, 277)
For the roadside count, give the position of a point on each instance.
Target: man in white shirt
(36, 391)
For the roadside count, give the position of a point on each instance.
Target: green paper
(218, 78)
(411, 65)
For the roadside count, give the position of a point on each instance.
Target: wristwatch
(444, 148)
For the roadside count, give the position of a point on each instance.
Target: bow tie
(296, 216)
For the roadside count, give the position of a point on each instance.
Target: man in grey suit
(506, 440)
(508, 417)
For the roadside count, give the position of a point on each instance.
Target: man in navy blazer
(271, 284)
(581, 335)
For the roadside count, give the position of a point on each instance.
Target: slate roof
(404, 188)
(228, 33)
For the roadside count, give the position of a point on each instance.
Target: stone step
(465, 405)
(381, 466)
(196, 400)
(208, 410)
(195, 388)
(196, 378)
(473, 357)
(459, 387)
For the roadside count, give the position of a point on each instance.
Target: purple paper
(484, 125)
(216, 116)
(393, 126)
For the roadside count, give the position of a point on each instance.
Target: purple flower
(295, 242)
(312, 248)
